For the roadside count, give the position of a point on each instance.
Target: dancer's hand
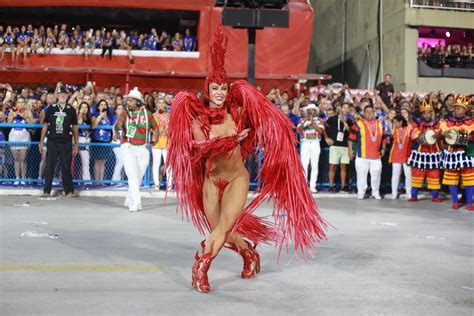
(243, 134)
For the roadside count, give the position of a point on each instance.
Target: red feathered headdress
(217, 50)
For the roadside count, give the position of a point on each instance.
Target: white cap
(135, 94)
(311, 106)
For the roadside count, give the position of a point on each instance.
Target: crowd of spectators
(440, 56)
(96, 108)
(25, 39)
(339, 107)
(334, 108)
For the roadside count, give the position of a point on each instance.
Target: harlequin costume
(193, 163)
(425, 159)
(458, 159)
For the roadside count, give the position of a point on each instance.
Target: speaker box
(257, 18)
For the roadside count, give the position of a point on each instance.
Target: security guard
(61, 125)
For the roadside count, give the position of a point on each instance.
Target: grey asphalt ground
(384, 258)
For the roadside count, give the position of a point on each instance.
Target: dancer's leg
(232, 204)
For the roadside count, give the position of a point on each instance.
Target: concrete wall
(399, 38)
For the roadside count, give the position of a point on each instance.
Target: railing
(457, 5)
(91, 155)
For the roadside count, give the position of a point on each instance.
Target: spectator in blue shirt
(100, 154)
(189, 42)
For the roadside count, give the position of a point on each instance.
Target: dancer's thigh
(210, 201)
(233, 200)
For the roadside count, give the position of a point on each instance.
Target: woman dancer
(208, 142)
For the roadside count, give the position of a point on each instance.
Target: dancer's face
(217, 94)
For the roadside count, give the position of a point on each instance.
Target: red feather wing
(282, 178)
(188, 175)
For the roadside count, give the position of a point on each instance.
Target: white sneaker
(393, 196)
(377, 196)
(313, 190)
(22, 182)
(360, 196)
(133, 209)
(16, 183)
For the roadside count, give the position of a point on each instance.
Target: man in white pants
(136, 123)
(311, 128)
(370, 137)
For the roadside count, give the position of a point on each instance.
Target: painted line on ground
(79, 268)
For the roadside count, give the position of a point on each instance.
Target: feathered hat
(463, 101)
(217, 50)
(426, 106)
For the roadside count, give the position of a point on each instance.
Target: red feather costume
(282, 178)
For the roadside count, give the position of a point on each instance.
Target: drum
(427, 138)
(457, 138)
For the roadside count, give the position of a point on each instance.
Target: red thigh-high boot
(200, 268)
(251, 259)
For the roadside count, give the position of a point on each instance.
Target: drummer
(458, 157)
(425, 154)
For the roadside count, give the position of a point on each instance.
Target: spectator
(9, 42)
(386, 89)
(100, 153)
(20, 114)
(369, 136)
(50, 41)
(50, 100)
(2, 146)
(84, 118)
(311, 129)
(22, 42)
(337, 133)
(36, 41)
(98, 39)
(63, 40)
(165, 41)
(159, 150)
(189, 42)
(177, 42)
(117, 175)
(125, 46)
(88, 45)
(76, 39)
(107, 45)
(399, 153)
(60, 122)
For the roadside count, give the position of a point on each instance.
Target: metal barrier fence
(100, 165)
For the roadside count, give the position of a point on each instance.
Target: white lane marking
(35, 234)
(385, 224)
(38, 223)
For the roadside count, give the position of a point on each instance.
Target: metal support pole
(251, 55)
(127, 83)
